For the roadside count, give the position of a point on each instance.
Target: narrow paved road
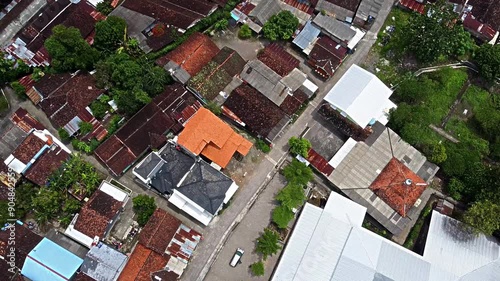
(218, 231)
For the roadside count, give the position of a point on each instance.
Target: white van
(236, 258)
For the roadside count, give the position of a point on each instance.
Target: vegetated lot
(4, 104)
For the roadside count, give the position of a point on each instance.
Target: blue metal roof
(306, 35)
(50, 262)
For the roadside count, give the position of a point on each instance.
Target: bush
(85, 128)
(63, 134)
(104, 7)
(257, 268)
(19, 90)
(245, 32)
(282, 216)
(280, 26)
(292, 196)
(298, 173)
(144, 207)
(267, 243)
(436, 152)
(262, 146)
(456, 188)
(299, 146)
(99, 109)
(215, 108)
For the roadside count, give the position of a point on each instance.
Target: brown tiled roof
(179, 13)
(159, 231)
(158, 41)
(318, 162)
(326, 56)
(66, 102)
(5, 274)
(142, 263)
(26, 240)
(390, 186)
(50, 82)
(96, 214)
(292, 103)
(25, 121)
(28, 148)
(278, 59)
(487, 11)
(193, 54)
(484, 31)
(350, 5)
(258, 112)
(40, 172)
(413, 5)
(167, 111)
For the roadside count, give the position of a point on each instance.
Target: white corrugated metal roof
(360, 94)
(342, 153)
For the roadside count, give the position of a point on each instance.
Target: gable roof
(307, 35)
(29, 148)
(265, 10)
(487, 11)
(190, 56)
(96, 214)
(278, 59)
(25, 121)
(159, 231)
(103, 263)
(259, 114)
(208, 135)
(360, 94)
(175, 166)
(217, 74)
(142, 263)
(369, 8)
(350, 5)
(334, 27)
(26, 240)
(485, 31)
(326, 56)
(146, 129)
(47, 164)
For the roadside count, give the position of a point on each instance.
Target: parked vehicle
(237, 257)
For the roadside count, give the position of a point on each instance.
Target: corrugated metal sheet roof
(334, 27)
(306, 35)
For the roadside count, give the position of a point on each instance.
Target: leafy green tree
(71, 206)
(47, 204)
(436, 152)
(483, 216)
(436, 34)
(144, 207)
(130, 102)
(99, 109)
(214, 107)
(19, 89)
(456, 188)
(487, 58)
(24, 198)
(282, 215)
(262, 146)
(221, 24)
(85, 128)
(63, 134)
(299, 146)
(69, 51)
(110, 34)
(11, 70)
(280, 26)
(257, 268)
(267, 243)
(454, 165)
(298, 173)
(291, 196)
(245, 32)
(155, 78)
(104, 7)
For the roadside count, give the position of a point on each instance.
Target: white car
(237, 257)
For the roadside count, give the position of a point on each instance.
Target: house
(483, 32)
(212, 80)
(331, 244)
(65, 99)
(326, 56)
(413, 5)
(164, 249)
(342, 33)
(207, 135)
(367, 12)
(487, 12)
(190, 183)
(264, 10)
(255, 112)
(306, 37)
(278, 59)
(302, 10)
(103, 263)
(38, 156)
(9, 273)
(386, 175)
(49, 261)
(343, 10)
(98, 215)
(28, 43)
(189, 58)
(25, 240)
(361, 97)
(147, 128)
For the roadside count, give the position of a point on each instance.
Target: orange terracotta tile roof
(142, 263)
(208, 135)
(390, 186)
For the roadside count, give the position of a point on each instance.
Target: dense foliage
(257, 268)
(11, 70)
(144, 207)
(69, 51)
(487, 58)
(267, 243)
(484, 216)
(282, 215)
(110, 34)
(298, 173)
(280, 26)
(245, 32)
(299, 146)
(104, 7)
(262, 146)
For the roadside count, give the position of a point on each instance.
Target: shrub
(19, 90)
(245, 32)
(144, 207)
(262, 146)
(257, 268)
(267, 243)
(280, 26)
(63, 134)
(99, 109)
(85, 128)
(299, 146)
(215, 108)
(298, 173)
(292, 196)
(282, 216)
(456, 188)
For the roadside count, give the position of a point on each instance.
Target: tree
(436, 152)
(69, 51)
(99, 109)
(221, 24)
(267, 243)
(110, 34)
(487, 57)
(291, 196)
(456, 188)
(262, 146)
(280, 26)
(11, 70)
(298, 173)
(24, 198)
(282, 215)
(130, 102)
(435, 34)
(47, 204)
(483, 216)
(19, 89)
(144, 207)
(85, 127)
(104, 7)
(257, 268)
(245, 32)
(299, 146)
(63, 134)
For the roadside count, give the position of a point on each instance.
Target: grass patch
(4, 104)
(415, 231)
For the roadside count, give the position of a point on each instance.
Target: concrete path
(7, 33)
(218, 231)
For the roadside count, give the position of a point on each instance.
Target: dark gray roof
(369, 8)
(170, 174)
(206, 186)
(265, 10)
(334, 27)
(148, 165)
(103, 263)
